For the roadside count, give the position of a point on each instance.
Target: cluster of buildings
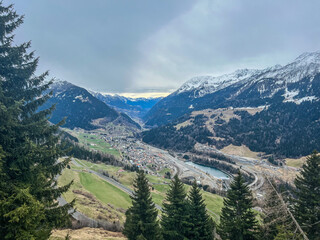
(137, 153)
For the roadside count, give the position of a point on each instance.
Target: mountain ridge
(275, 111)
(242, 88)
(80, 108)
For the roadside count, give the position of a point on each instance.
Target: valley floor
(102, 192)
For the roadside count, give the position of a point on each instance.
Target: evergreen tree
(141, 217)
(202, 226)
(175, 217)
(307, 203)
(28, 169)
(237, 220)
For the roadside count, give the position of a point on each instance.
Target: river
(210, 170)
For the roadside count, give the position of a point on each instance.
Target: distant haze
(141, 95)
(143, 46)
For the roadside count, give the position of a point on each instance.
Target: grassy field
(102, 189)
(91, 202)
(94, 142)
(96, 194)
(164, 170)
(159, 184)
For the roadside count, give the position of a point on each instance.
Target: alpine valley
(222, 157)
(274, 111)
(263, 122)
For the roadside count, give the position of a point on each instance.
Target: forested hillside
(80, 108)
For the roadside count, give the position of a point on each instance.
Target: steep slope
(81, 108)
(243, 88)
(275, 110)
(134, 107)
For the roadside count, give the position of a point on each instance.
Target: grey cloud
(220, 36)
(136, 46)
(92, 43)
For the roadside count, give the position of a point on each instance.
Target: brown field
(242, 151)
(86, 234)
(224, 113)
(296, 162)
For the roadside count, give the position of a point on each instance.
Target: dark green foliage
(71, 147)
(175, 218)
(169, 138)
(75, 150)
(141, 218)
(69, 137)
(202, 226)
(237, 220)
(182, 139)
(216, 155)
(80, 108)
(307, 203)
(28, 166)
(284, 129)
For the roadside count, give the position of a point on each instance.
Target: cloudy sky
(145, 46)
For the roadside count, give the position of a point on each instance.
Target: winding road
(108, 179)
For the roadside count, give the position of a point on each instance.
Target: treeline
(75, 150)
(69, 144)
(184, 216)
(215, 155)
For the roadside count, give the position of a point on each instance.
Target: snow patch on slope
(82, 99)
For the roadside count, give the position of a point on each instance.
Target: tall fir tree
(28, 206)
(202, 225)
(237, 220)
(141, 218)
(307, 202)
(175, 218)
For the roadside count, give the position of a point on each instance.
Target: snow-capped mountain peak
(296, 82)
(307, 64)
(308, 58)
(208, 84)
